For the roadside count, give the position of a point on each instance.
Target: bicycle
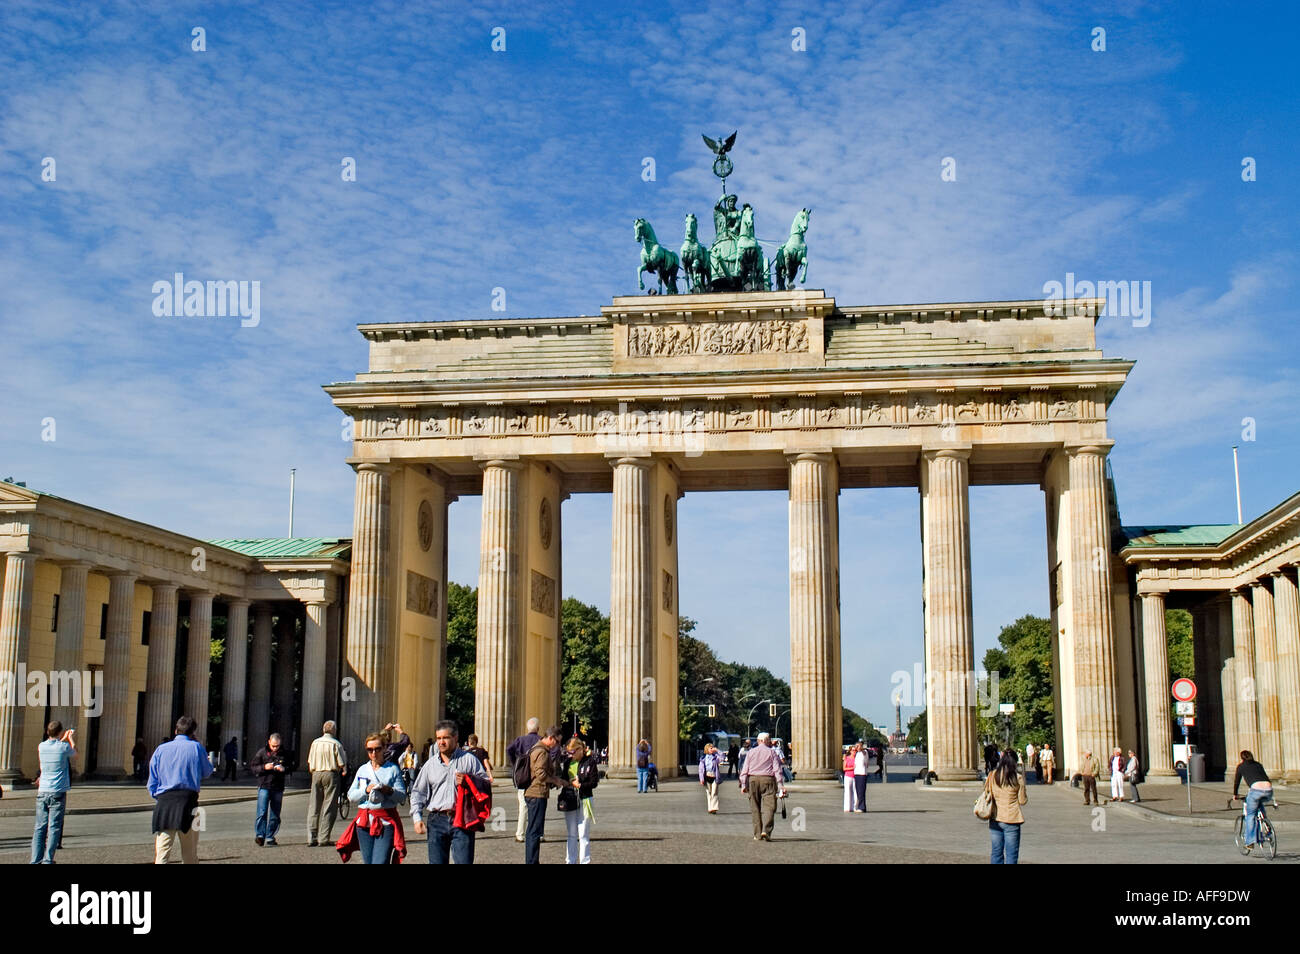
(344, 807)
(1265, 835)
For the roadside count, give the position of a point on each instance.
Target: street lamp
(750, 721)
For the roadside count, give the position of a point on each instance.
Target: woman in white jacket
(1117, 775)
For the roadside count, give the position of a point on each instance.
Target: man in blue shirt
(176, 771)
(56, 753)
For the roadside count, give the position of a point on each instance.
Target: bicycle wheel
(1268, 838)
(345, 808)
(1239, 837)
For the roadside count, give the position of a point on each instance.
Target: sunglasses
(374, 748)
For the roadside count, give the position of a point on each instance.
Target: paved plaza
(904, 825)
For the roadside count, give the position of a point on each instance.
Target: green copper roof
(323, 548)
(1180, 535)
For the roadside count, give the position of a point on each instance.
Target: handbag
(567, 800)
(985, 806)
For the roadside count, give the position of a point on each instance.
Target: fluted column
(313, 674)
(370, 639)
(113, 757)
(68, 640)
(198, 663)
(1246, 690)
(259, 680)
(15, 633)
(234, 681)
(159, 721)
(631, 617)
(815, 716)
(949, 617)
(1227, 682)
(1286, 611)
(497, 680)
(1155, 656)
(1097, 725)
(1266, 695)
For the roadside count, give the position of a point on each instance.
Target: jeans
(375, 851)
(268, 813)
(49, 826)
(1254, 798)
(445, 840)
(578, 847)
(860, 790)
(641, 775)
(1006, 843)
(536, 825)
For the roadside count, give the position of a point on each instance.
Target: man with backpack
(517, 752)
(542, 767)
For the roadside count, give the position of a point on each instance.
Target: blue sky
(522, 170)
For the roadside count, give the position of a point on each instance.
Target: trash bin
(1196, 767)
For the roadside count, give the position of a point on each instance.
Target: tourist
(1089, 770)
(1038, 763)
(543, 779)
(435, 792)
(990, 757)
(581, 768)
(1116, 766)
(642, 765)
(860, 778)
(377, 790)
(762, 779)
(709, 770)
(396, 743)
(1132, 774)
(516, 750)
(744, 752)
(231, 752)
(139, 754)
(1047, 759)
(328, 764)
(1029, 756)
(408, 762)
(733, 759)
(850, 793)
(271, 768)
(55, 754)
(426, 752)
(480, 753)
(176, 771)
(1260, 790)
(880, 762)
(1009, 793)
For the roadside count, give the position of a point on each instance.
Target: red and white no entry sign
(1184, 690)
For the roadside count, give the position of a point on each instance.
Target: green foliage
(687, 718)
(858, 729)
(916, 730)
(584, 667)
(1024, 668)
(462, 640)
(1178, 634)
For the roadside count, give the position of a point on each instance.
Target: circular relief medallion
(544, 523)
(668, 520)
(424, 525)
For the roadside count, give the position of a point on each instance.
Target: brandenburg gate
(663, 395)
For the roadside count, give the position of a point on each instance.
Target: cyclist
(1260, 790)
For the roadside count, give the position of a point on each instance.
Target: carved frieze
(541, 594)
(682, 339)
(421, 594)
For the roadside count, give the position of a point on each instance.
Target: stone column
(330, 687)
(1286, 610)
(949, 618)
(1094, 687)
(497, 683)
(815, 716)
(1266, 694)
(68, 640)
(631, 616)
(15, 634)
(313, 676)
(370, 639)
(198, 663)
(235, 678)
(159, 721)
(1155, 656)
(1243, 652)
(1227, 682)
(113, 758)
(259, 681)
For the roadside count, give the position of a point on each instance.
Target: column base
(13, 783)
(950, 774)
(621, 771)
(1291, 776)
(815, 774)
(1160, 778)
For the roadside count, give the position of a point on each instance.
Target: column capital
(75, 564)
(1151, 594)
(122, 575)
(508, 462)
(953, 451)
(316, 602)
(624, 458)
(1257, 582)
(822, 455)
(238, 601)
(373, 466)
(1093, 448)
(200, 595)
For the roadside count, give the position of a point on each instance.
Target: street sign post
(1184, 691)
(1184, 708)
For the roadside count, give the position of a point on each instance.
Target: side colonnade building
(92, 599)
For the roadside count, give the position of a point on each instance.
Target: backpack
(523, 769)
(642, 759)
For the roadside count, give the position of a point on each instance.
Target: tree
(1178, 637)
(857, 729)
(462, 642)
(584, 667)
(1023, 665)
(916, 730)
